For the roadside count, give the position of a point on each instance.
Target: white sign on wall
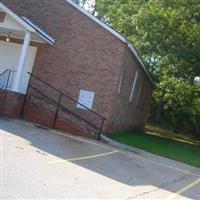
(86, 98)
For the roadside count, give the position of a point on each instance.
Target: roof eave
(116, 34)
(40, 33)
(141, 63)
(25, 24)
(16, 17)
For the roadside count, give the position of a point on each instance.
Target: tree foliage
(166, 34)
(89, 5)
(180, 103)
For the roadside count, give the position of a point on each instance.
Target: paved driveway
(42, 164)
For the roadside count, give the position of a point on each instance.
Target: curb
(125, 147)
(144, 154)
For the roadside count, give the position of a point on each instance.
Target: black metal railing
(6, 79)
(96, 122)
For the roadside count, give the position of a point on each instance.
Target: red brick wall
(125, 114)
(85, 56)
(11, 106)
(10, 103)
(42, 111)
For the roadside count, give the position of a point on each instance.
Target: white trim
(115, 33)
(133, 86)
(39, 31)
(22, 59)
(105, 26)
(120, 83)
(16, 18)
(140, 89)
(140, 61)
(28, 25)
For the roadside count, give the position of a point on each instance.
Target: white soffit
(28, 25)
(17, 18)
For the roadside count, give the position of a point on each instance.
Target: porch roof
(18, 25)
(39, 30)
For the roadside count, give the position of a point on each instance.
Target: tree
(180, 103)
(89, 5)
(166, 34)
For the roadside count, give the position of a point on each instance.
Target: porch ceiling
(17, 34)
(17, 26)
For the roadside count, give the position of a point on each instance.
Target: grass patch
(183, 152)
(166, 132)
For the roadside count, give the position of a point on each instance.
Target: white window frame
(140, 90)
(120, 83)
(133, 86)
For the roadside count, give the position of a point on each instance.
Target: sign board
(86, 98)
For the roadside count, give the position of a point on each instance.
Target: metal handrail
(60, 106)
(66, 95)
(9, 74)
(4, 72)
(67, 110)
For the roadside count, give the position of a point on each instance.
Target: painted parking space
(84, 157)
(58, 166)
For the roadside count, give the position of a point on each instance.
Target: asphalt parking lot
(44, 164)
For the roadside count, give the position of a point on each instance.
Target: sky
(88, 5)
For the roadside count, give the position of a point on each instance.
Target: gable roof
(28, 24)
(115, 33)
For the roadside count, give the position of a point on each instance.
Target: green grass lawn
(161, 146)
(166, 132)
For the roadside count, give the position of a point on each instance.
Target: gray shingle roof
(39, 29)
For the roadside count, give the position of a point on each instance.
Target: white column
(22, 60)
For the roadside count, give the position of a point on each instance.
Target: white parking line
(184, 189)
(83, 157)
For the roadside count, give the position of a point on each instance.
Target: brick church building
(84, 77)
